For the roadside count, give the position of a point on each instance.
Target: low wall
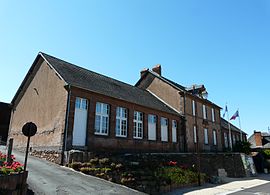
(209, 163)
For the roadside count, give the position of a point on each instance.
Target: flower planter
(14, 183)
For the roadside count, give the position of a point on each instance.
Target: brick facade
(127, 144)
(182, 102)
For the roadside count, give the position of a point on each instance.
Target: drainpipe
(183, 94)
(64, 146)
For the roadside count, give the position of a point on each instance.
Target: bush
(242, 147)
(75, 165)
(178, 175)
(266, 153)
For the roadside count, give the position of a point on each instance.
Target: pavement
(48, 178)
(259, 185)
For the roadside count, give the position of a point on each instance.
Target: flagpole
(240, 126)
(229, 125)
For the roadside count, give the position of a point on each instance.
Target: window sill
(104, 134)
(121, 136)
(137, 138)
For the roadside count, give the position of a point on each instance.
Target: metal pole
(26, 153)
(10, 146)
(240, 126)
(230, 133)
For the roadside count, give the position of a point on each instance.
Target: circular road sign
(29, 129)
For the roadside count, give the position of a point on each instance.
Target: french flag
(235, 115)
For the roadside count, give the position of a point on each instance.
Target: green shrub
(104, 161)
(266, 153)
(178, 175)
(242, 147)
(94, 161)
(75, 165)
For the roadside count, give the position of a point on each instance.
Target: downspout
(183, 94)
(64, 146)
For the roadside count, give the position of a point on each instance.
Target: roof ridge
(80, 67)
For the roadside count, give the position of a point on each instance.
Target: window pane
(124, 112)
(206, 136)
(98, 107)
(118, 112)
(195, 134)
(78, 102)
(97, 124)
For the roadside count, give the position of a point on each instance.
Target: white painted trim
(164, 102)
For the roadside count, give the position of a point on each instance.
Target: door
(80, 122)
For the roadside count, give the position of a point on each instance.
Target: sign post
(29, 130)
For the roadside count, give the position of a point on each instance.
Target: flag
(226, 110)
(235, 115)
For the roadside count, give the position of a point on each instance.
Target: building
(202, 117)
(75, 108)
(235, 134)
(260, 140)
(5, 110)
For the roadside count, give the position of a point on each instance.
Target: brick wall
(128, 144)
(183, 104)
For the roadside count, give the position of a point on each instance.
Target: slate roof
(225, 124)
(82, 78)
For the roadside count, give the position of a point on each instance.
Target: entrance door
(80, 122)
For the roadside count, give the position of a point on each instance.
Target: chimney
(144, 71)
(258, 138)
(157, 69)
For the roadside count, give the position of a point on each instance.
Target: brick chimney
(157, 69)
(144, 71)
(258, 138)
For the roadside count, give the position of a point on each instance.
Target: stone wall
(209, 162)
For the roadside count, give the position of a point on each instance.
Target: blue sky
(224, 45)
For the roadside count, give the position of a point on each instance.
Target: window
(214, 137)
(121, 122)
(234, 139)
(138, 125)
(102, 119)
(213, 115)
(81, 103)
(226, 140)
(193, 108)
(174, 128)
(237, 137)
(204, 112)
(205, 136)
(152, 125)
(195, 134)
(164, 129)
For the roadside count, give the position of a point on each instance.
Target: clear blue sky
(224, 45)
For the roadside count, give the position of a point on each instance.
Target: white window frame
(174, 131)
(81, 103)
(195, 134)
(214, 137)
(213, 115)
(204, 112)
(121, 116)
(193, 108)
(152, 127)
(226, 143)
(138, 125)
(206, 140)
(103, 116)
(164, 129)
